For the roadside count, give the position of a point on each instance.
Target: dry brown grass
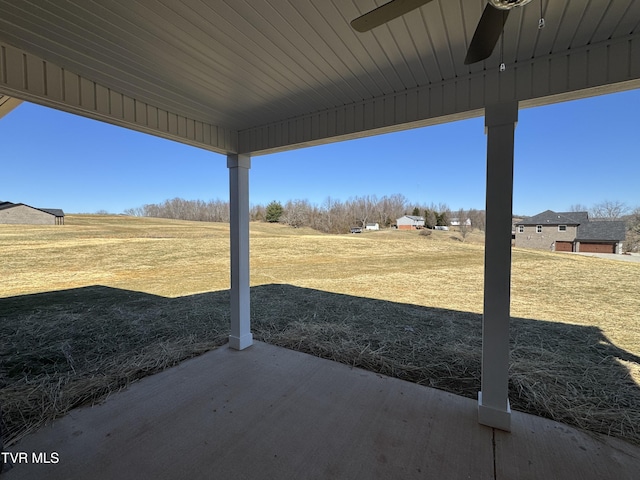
(394, 302)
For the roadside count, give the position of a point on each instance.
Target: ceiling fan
(484, 39)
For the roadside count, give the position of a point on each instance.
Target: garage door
(597, 247)
(564, 246)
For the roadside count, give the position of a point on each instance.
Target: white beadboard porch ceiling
(242, 64)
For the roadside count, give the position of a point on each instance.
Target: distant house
(455, 222)
(19, 213)
(570, 232)
(410, 222)
(372, 226)
(514, 221)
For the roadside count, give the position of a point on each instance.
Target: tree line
(181, 209)
(337, 216)
(605, 210)
(331, 216)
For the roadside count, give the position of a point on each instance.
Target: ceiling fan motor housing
(508, 4)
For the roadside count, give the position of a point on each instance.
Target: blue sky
(583, 151)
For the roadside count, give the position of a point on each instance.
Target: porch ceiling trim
(32, 78)
(607, 67)
(260, 76)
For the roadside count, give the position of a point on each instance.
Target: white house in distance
(21, 214)
(455, 222)
(410, 222)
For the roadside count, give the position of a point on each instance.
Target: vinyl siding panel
(25, 76)
(23, 214)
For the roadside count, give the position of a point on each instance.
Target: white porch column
(493, 401)
(239, 166)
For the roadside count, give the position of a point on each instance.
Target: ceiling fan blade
(384, 13)
(487, 34)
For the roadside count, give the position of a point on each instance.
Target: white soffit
(265, 75)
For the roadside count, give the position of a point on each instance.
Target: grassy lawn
(91, 306)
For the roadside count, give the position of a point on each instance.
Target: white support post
(239, 166)
(493, 401)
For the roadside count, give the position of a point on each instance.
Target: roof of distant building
(602, 230)
(549, 217)
(53, 211)
(57, 212)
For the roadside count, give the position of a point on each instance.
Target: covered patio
(269, 412)
(257, 77)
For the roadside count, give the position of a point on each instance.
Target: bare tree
(314, 217)
(609, 210)
(395, 206)
(296, 213)
(364, 208)
(382, 212)
(219, 211)
(332, 216)
(180, 209)
(478, 219)
(326, 214)
(134, 212)
(463, 224)
(632, 242)
(578, 207)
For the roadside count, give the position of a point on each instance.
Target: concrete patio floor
(272, 413)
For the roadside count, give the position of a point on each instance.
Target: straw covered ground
(91, 306)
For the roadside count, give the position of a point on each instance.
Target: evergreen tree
(430, 219)
(273, 212)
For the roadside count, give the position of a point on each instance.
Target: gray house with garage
(570, 232)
